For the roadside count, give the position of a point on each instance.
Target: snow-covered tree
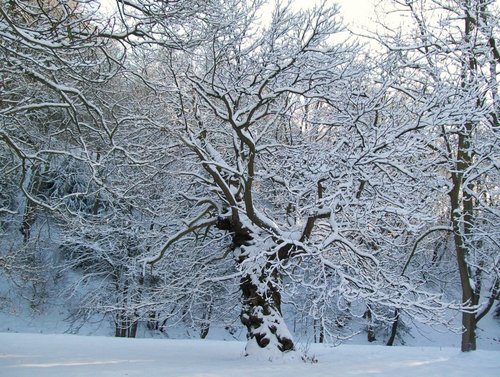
(300, 162)
(447, 68)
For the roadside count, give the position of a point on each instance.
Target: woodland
(187, 161)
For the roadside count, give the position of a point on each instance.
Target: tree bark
(462, 220)
(261, 300)
(394, 328)
(205, 326)
(370, 330)
(120, 325)
(132, 331)
(261, 314)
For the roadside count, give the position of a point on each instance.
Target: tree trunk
(370, 329)
(132, 330)
(261, 314)
(469, 298)
(261, 300)
(120, 325)
(205, 325)
(462, 220)
(462, 201)
(125, 325)
(394, 328)
(319, 330)
(152, 323)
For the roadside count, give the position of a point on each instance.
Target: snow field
(35, 355)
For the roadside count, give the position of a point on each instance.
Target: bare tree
(288, 142)
(447, 68)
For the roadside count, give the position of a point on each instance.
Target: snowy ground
(36, 355)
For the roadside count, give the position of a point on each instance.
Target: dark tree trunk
(132, 330)
(319, 330)
(461, 216)
(205, 326)
(152, 323)
(261, 314)
(370, 329)
(125, 326)
(261, 300)
(469, 332)
(394, 328)
(120, 325)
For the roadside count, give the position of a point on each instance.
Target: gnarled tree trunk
(261, 314)
(261, 300)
